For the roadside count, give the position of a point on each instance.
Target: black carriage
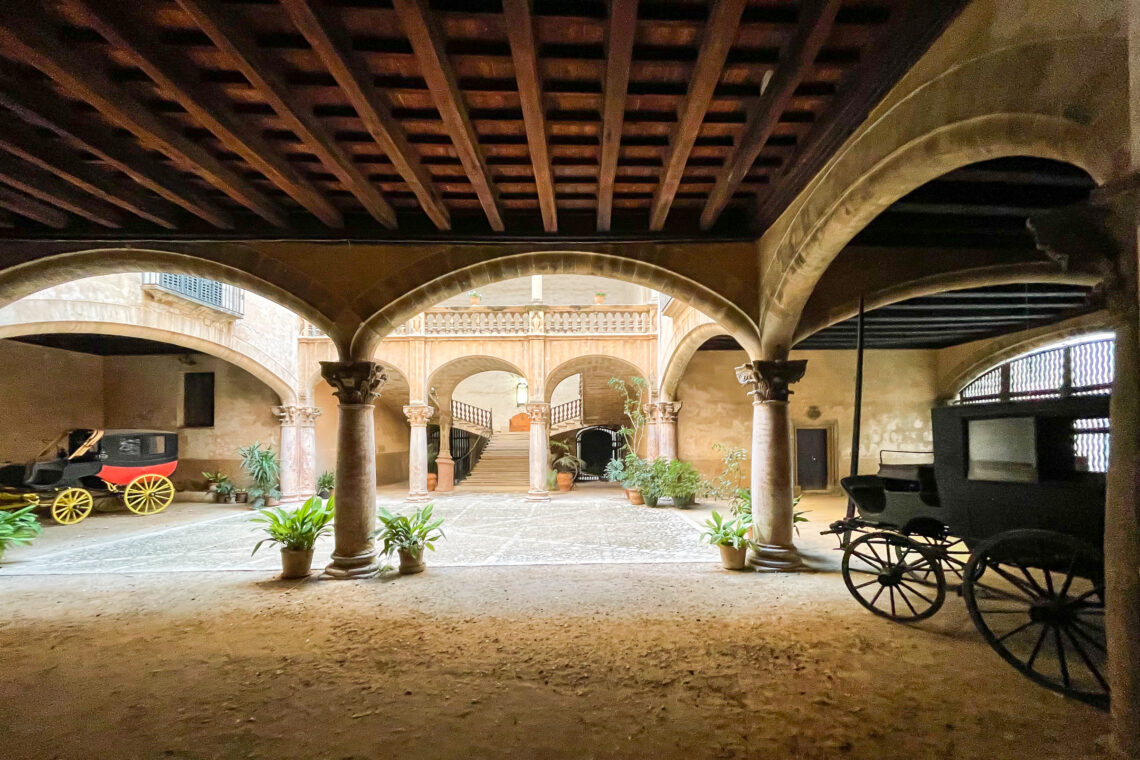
(1010, 513)
(82, 463)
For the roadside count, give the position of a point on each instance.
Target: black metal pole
(858, 404)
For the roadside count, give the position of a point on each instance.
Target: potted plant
(408, 536)
(682, 481)
(326, 481)
(225, 493)
(636, 478)
(264, 469)
(599, 297)
(615, 473)
(474, 297)
(566, 465)
(731, 536)
(432, 474)
(297, 532)
(241, 496)
(213, 479)
(633, 467)
(17, 527)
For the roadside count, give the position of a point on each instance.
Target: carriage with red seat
(83, 463)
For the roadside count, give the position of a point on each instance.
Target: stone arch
(679, 360)
(641, 272)
(611, 365)
(448, 375)
(990, 105)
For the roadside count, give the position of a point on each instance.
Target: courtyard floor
(585, 628)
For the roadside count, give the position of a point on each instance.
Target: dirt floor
(580, 661)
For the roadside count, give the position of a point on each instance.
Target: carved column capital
(354, 382)
(539, 413)
(667, 410)
(307, 415)
(770, 379)
(418, 414)
(286, 415)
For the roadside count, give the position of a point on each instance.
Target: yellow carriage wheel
(71, 505)
(148, 494)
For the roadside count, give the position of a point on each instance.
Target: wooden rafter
(235, 40)
(37, 183)
(115, 152)
(429, 49)
(7, 221)
(116, 25)
(25, 206)
(720, 32)
(816, 19)
(331, 42)
(24, 34)
(524, 54)
(619, 53)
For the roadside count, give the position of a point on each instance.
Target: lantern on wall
(522, 393)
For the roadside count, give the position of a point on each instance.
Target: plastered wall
(392, 435)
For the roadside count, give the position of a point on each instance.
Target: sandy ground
(586, 661)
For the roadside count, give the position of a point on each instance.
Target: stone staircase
(504, 465)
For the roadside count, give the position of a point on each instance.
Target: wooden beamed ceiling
(377, 118)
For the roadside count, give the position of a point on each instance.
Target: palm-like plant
(721, 532)
(409, 533)
(565, 461)
(18, 527)
(264, 468)
(297, 530)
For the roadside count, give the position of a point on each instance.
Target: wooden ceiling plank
(39, 184)
(178, 78)
(34, 210)
(619, 52)
(235, 39)
(24, 35)
(7, 221)
(427, 42)
(719, 34)
(115, 152)
(524, 54)
(796, 59)
(331, 42)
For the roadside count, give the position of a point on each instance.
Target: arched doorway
(597, 446)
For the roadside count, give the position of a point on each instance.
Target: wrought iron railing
(567, 412)
(212, 293)
(466, 449)
(471, 414)
(1079, 369)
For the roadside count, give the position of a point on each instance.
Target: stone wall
(391, 436)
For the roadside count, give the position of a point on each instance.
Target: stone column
(667, 429)
(418, 416)
(652, 432)
(307, 448)
(288, 453)
(356, 385)
(444, 464)
(539, 451)
(771, 480)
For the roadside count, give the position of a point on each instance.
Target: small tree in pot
(732, 538)
(408, 536)
(297, 532)
(264, 469)
(326, 481)
(225, 492)
(682, 481)
(566, 464)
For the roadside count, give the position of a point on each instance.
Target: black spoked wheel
(952, 554)
(894, 576)
(1042, 609)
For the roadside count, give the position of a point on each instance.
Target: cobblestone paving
(481, 529)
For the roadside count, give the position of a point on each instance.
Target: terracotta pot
(733, 559)
(432, 480)
(409, 563)
(241, 497)
(271, 502)
(599, 299)
(635, 496)
(296, 563)
(565, 481)
(475, 300)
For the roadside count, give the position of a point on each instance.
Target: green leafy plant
(18, 527)
(410, 533)
(225, 490)
(682, 481)
(263, 467)
(326, 481)
(298, 529)
(615, 471)
(731, 479)
(551, 480)
(601, 293)
(654, 480)
(743, 498)
(731, 532)
(213, 478)
(563, 460)
(633, 407)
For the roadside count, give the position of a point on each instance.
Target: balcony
(218, 296)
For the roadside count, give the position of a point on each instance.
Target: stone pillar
(356, 385)
(652, 432)
(307, 448)
(539, 451)
(667, 429)
(444, 464)
(288, 452)
(771, 481)
(418, 416)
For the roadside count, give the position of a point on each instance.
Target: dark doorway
(811, 459)
(597, 446)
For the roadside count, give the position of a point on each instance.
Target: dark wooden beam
(22, 141)
(37, 183)
(25, 206)
(906, 42)
(177, 77)
(232, 37)
(619, 53)
(963, 209)
(24, 34)
(1015, 177)
(136, 163)
(524, 54)
(720, 33)
(7, 221)
(331, 42)
(796, 59)
(427, 42)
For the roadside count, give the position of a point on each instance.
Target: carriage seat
(867, 491)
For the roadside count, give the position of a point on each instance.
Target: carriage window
(1003, 449)
(198, 399)
(130, 447)
(156, 445)
(1090, 444)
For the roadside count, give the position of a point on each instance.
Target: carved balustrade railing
(570, 411)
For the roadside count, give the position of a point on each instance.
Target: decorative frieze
(354, 382)
(770, 379)
(418, 414)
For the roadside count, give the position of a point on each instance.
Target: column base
(771, 558)
(351, 568)
(535, 495)
(418, 497)
(445, 478)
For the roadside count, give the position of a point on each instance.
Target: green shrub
(17, 527)
(682, 481)
(297, 530)
(326, 481)
(721, 532)
(264, 469)
(412, 533)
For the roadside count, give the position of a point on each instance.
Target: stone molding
(770, 379)
(354, 382)
(667, 411)
(307, 415)
(286, 415)
(418, 414)
(539, 414)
